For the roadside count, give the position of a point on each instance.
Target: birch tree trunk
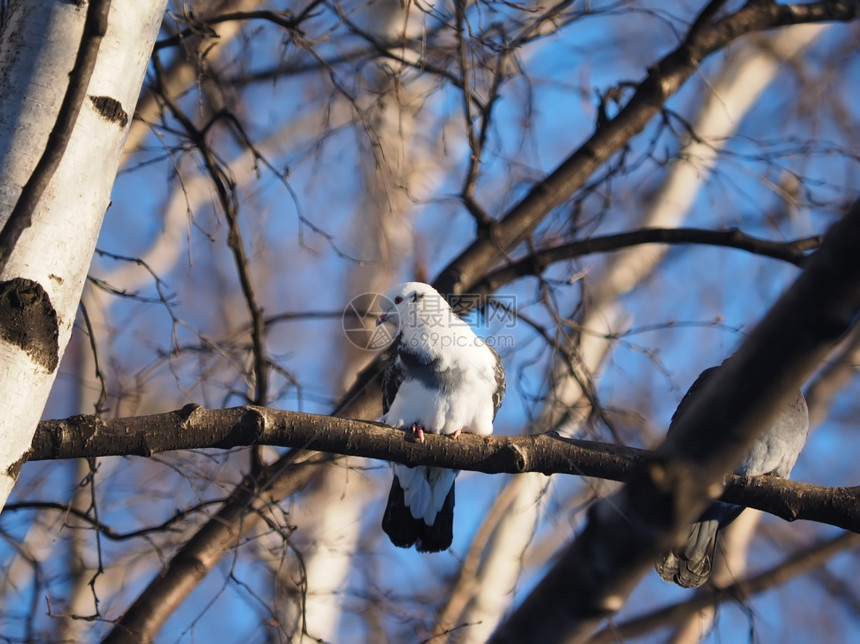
(44, 271)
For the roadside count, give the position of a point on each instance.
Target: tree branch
(663, 80)
(187, 568)
(595, 574)
(363, 399)
(796, 564)
(285, 19)
(795, 252)
(193, 427)
(68, 509)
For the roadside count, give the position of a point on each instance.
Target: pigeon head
(411, 304)
(424, 319)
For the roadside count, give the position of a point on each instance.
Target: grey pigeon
(773, 452)
(441, 379)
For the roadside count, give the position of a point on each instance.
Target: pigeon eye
(398, 300)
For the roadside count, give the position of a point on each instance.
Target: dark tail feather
(404, 530)
(690, 564)
(397, 522)
(438, 537)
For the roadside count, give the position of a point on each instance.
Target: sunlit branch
(663, 80)
(203, 550)
(286, 20)
(194, 427)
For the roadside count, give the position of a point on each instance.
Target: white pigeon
(773, 452)
(441, 379)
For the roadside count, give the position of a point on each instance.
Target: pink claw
(418, 430)
(456, 433)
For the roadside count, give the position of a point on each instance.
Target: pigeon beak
(382, 319)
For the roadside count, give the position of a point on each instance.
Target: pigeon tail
(689, 565)
(425, 489)
(405, 530)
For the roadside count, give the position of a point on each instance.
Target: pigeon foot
(418, 432)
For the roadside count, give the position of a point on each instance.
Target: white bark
(503, 563)
(337, 501)
(37, 47)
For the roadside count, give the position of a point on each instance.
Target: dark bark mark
(15, 468)
(111, 109)
(28, 319)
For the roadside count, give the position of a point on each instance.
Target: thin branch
(797, 563)
(285, 19)
(482, 219)
(99, 375)
(795, 252)
(106, 530)
(226, 189)
(187, 568)
(663, 80)
(363, 399)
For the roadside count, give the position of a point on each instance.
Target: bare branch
(106, 530)
(794, 252)
(363, 399)
(663, 80)
(285, 19)
(193, 427)
(796, 564)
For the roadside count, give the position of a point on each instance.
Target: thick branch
(627, 531)
(194, 427)
(363, 399)
(187, 568)
(663, 80)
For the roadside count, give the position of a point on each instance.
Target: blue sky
(699, 303)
